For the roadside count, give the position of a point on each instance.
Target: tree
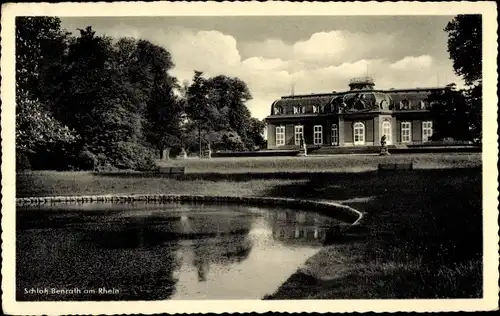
(104, 99)
(163, 115)
(255, 133)
(450, 112)
(229, 95)
(38, 132)
(40, 47)
(201, 109)
(465, 49)
(465, 46)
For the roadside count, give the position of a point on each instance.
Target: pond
(100, 251)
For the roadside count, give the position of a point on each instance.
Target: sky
(314, 54)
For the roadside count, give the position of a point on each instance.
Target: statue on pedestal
(183, 154)
(208, 152)
(303, 147)
(383, 146)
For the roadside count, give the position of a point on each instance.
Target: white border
(490, 154)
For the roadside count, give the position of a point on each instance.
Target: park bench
(171, 170)
(395, 166)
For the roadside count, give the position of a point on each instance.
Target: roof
(413, 95)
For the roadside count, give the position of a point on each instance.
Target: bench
(171, 170)
(395, 166)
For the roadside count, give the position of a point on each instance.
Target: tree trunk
(161, 152)
(199, 137)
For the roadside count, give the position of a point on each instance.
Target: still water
(161, 251)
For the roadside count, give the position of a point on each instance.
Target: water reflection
(293, 227)
(151, 252)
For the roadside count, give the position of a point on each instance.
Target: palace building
(358, 117)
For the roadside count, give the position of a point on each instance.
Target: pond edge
(354, 216)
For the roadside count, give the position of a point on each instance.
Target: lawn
(421, 235)
(334, 163)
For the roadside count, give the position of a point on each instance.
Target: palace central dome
(362, 96)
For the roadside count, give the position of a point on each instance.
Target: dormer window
(302, 109)
(315, 109)
(404, 104)
(298, 109)
(278, 110)
(422, 105)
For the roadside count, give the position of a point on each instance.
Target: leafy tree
(465, 46)
(103, 100)
(164, 109)
(40, 47)
(37, 131)
(229, 95)
(255, 134)
(200, 108)
(465, 49)
(450, 112)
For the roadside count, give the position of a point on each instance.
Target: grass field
(337, 163)
(421, 235)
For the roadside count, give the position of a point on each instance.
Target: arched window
(386, 130)
(335, 135)
(359, 133)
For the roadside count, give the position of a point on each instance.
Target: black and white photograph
(258, 156)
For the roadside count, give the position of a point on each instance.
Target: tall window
(295, 110)
(335, 134)
(315, 109)
(318, 135)
(299, 133)
(280, 135)
(405, 132)
(426, 130)
(359, 133)
(386, 130)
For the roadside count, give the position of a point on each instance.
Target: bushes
(131, 155)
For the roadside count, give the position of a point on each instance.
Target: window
(315, 109)
(386, 130)
(405, 132)
(299, 133)
(359, 133)
(404, 105)
(280, 135)
(302, 110)
(318, 135)
(277, 110)
(426, 130)
(333, 108)
(335, 134)
(295, 110)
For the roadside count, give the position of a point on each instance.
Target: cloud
(321, 63)
(411, 62)
(270, 48)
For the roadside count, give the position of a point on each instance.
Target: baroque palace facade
(358, 117)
